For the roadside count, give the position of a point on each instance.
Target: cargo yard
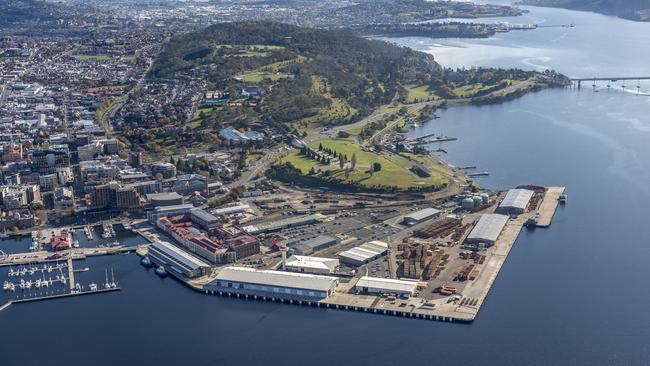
(435, 263)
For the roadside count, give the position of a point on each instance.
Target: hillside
(32, 11)
(638, 10)
(329, 76)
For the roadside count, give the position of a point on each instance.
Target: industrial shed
(421, 215)
(307, 247)
(487, 230)
(176, 260)
(316, 265)
(273, 283)
(283, 224)
(364, 253)
(231, 210)
(386, 286)
(515, 202)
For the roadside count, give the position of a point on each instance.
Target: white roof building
(421, 215)
(364, 253)
(386, 285)
(276, 283)
(487, 229)
(516, 201)
(318, 265)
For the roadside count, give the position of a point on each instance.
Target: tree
(320, 147)
(341, 161)
(353, 162)
(376, 167)
(312, 171)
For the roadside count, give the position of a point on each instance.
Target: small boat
(160, 271)
(93, 287)
(562, 198)
(5, 286)
(75, 244)
(146, 262)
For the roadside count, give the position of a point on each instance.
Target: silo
(478, 201)
(485, 197)
(467, 203)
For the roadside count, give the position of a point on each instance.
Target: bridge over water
(611, 79)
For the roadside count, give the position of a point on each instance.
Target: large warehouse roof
(277, 278)
(365, 251)
(387, 284)
(179, 256)
(422, 214)
(517, 198)
(488, 228)
(281, 224)
(231, 210)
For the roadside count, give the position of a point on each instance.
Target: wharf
(440, 309)
(549, 205)
(58, 296)
(77, 254)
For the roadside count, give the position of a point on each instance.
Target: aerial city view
(301, 182)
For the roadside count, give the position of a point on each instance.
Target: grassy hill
(316, 76)
(629, 9)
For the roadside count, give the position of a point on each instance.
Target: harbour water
(573, 294)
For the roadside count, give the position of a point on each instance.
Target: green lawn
(92, 57)
(420, 93)
(206, 111)
(257, 76)
(394, 172)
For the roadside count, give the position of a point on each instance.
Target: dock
(58, 296)
(76, 254)
(443, 309)
(549, 205)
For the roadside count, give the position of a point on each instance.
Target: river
(573, 294)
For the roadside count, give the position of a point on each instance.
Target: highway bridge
(611, 79)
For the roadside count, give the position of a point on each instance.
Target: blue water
(573, 294)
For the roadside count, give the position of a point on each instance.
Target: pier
(58, 296)
(75, 254)
(548, 206)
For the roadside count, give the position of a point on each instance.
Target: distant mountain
(638, 10)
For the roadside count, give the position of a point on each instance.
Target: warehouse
(377, 285)
(276, 284)
(487, 230)
(315, 265)
(310, 246)
(515, 202)
(231, 210)
(419, 216)
(204, 219)
(177, 261)
(165, 211)
(283, 224)
(364, 253)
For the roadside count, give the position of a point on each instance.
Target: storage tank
(485, 197)
(478, 201)
(467, 203)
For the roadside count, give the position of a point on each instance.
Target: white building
(276, 284)
(420, 216)
(316, 265)
(515, 202)
(364, 253)
(487, 230)
(379, 285)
